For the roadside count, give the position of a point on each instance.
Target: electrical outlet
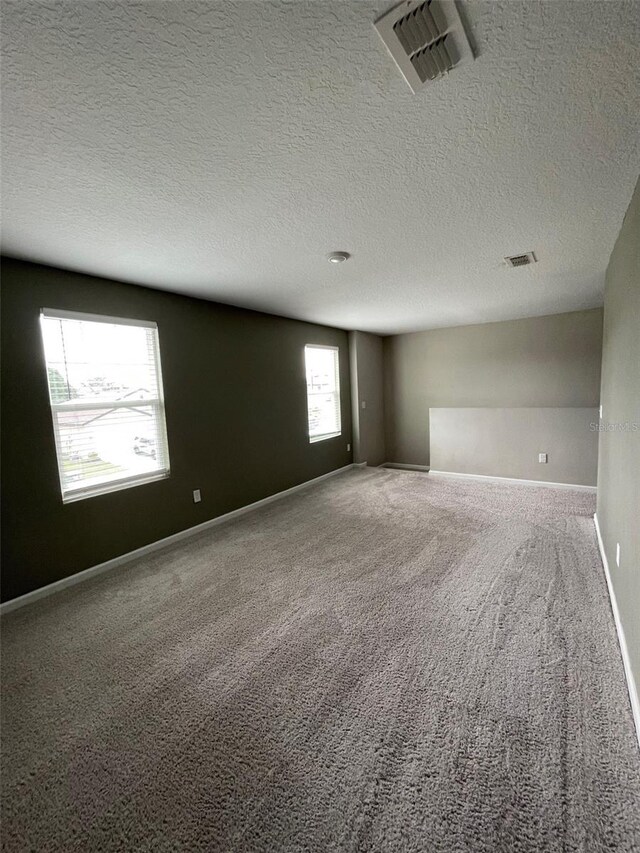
(542, 457)
(601, 412)
(348, 447)
(197, 497)
(364, 404)
(618, 554)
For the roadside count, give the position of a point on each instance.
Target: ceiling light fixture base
(338, 257)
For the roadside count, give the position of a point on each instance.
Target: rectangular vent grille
(521, 260)
(432, 61)
(418, 29)
(426, 39)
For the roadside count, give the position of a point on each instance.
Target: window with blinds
(323, 391)
(105, 389)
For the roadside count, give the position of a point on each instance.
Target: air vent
(426, 39)
(521, 260)
(432, 61)
(420, 27)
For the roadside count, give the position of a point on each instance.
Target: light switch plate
(197, 497)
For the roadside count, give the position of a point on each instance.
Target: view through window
(323, 391)
(105, 388)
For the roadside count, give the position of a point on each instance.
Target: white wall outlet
(600, 411)
(348, 447)
(542, 457)
(197, 497)
(364, 404)
(618, 554)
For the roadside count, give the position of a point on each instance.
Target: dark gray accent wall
(236, 411)
(619, 458)
(365, 352)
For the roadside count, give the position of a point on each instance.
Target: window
(323, 391)
(105, 389)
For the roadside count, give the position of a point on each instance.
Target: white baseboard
(516, 480)
(624, 651)
(402, 466)
(56, 586)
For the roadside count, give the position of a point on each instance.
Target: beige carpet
(389, 661)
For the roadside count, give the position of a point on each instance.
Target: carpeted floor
(388, 661)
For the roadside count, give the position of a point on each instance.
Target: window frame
(326, 436)
(156, 403)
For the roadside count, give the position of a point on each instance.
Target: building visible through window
(105, 389)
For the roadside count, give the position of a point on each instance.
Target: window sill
(316, 438)
(116, 486)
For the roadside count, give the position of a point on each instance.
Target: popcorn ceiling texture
(221, 149)
(384, 662)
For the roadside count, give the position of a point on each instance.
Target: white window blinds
(323, 391)
(105, 388)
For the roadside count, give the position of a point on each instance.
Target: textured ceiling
(221, 149)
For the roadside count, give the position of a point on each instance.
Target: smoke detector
(425, 39)
(520, 260)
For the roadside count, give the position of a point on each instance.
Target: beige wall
(506, 443)
(366, 354)
(539, 362)
(619, 461)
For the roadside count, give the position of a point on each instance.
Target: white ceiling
(221, 149)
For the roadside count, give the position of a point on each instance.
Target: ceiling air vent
(426, 39)
(521, 260)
